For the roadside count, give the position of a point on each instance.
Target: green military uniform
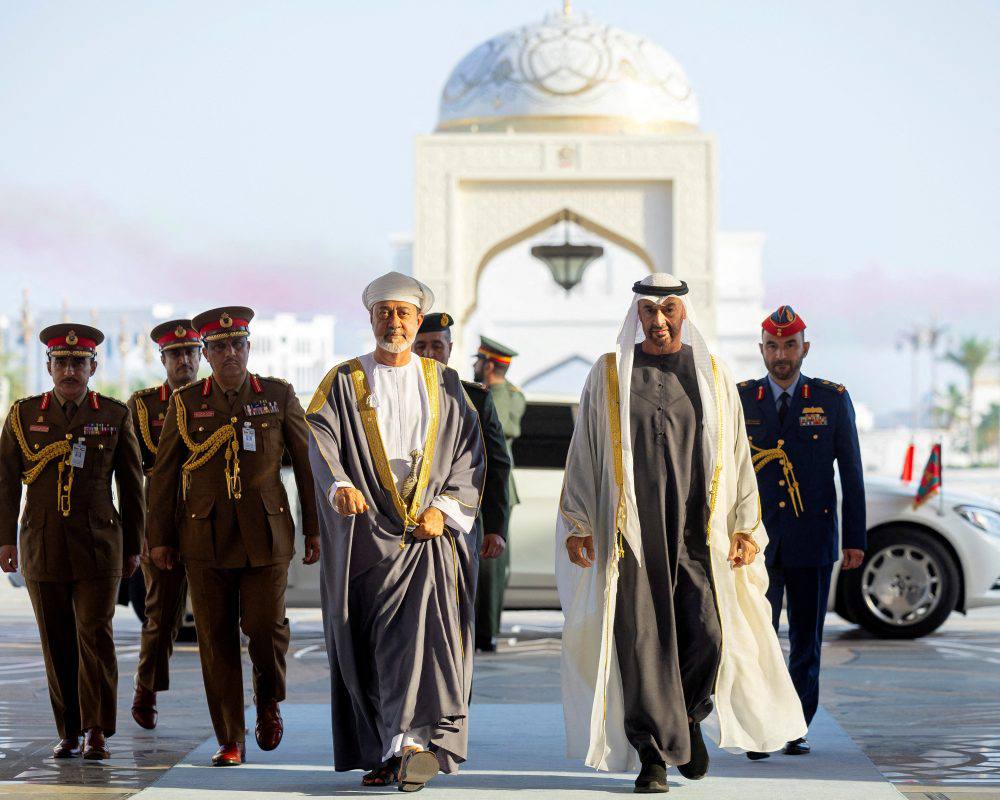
(73, 541)
(219, 458)
(166, 590)
(495, 573)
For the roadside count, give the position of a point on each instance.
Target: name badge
(250, 440)
(78, 455)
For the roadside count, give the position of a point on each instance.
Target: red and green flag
(930, 481)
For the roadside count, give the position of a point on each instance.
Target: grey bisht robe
(398, 619)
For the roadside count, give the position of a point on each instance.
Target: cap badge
(180, 332)
(444, 320)
(226, 321)
(71, 338)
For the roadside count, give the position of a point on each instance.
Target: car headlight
(986, 519)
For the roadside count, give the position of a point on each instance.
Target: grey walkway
(518, 751)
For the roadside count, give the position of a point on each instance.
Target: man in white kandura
(667, 623)
(398, 461)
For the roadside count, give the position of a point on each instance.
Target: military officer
(434, 341)
(65, 445)
(490, 369)
(166, 590)
(219, 459)
(798, 427)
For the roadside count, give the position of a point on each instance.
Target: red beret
(784, 322)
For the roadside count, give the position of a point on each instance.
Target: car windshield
(546, 429)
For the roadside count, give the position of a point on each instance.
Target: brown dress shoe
(230, 755)
(270, 726)
(144, 707)
(95, 746)
(67, 748)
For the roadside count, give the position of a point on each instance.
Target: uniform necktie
(782, 407)
(69, 409)
(231, 397)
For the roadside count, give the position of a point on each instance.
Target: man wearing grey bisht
(667, 624)
(398, 460)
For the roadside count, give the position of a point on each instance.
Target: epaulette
(186, 386)
(272, 379)
(144, 392)
(516, 389)
(744, 384)
(839, 388)
(109, 397)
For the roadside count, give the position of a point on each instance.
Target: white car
(920, 565)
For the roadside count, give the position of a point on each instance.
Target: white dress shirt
(399, 397)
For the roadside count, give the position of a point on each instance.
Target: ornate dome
(567, 73)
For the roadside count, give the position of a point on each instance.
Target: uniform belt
(763, 456)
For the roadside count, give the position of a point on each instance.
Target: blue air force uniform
(795, 476)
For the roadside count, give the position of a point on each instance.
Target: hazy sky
(261, 152)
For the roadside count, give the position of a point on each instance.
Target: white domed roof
(567, 73)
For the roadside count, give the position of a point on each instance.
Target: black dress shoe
(755, 755)
(488, 646)
(797, 747)
(697, 767)
(67, 748)
(652, 779)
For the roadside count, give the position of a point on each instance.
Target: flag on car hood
(930, 481)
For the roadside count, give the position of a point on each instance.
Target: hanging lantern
(567, 261)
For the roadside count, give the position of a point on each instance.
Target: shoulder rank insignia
(743, 384)
(839, 387)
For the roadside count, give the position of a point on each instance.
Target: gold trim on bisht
(376, 447)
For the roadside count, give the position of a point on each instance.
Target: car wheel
(137, 594)
(906, 587)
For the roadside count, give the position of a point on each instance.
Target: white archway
(477, 194)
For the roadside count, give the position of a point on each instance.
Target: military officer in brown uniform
(166, 590)
(74, 546)
(219, 457)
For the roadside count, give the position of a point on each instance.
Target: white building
(569, 126)
(298, 349)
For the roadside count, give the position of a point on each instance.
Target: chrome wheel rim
(901, 584)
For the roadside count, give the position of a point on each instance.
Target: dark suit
(803, 542)
(494, 509)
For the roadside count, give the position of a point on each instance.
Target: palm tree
(949, 409)
(971, 354)
(989, 430)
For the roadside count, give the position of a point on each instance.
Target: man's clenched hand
(431, 524)
(348, 501)
(581, 550)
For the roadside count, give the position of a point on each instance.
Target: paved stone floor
(926, 713)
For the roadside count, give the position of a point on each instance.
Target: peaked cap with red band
(175, 333)
(223, 323)
(71, 339)
(784, 322)
(492, 350)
